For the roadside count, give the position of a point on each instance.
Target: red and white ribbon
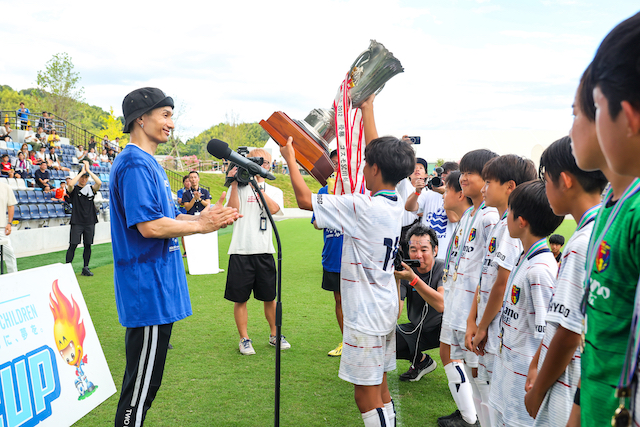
(350, 137)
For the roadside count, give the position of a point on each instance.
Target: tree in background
(59, 83)
(112, 126)
(439, 162)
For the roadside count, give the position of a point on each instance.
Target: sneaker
(284, 344)
(245, 347)
(336, 352)
(170, 347)
(184, 255)
(86, 271)
(416, 372)
(455, 414)
(456, 422)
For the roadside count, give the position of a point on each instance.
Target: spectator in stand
(53, 160)
(53, 139)
(93, 157)
(7, 204)
(83, 216)
(42, 177)
(92, 143)
(41, 155)
(30, 136)
(6, 169)
(104, 157)
(80, 153)
(186, 183)
(21, 166)
(25, 150)
(33, 158)
(115, 144)
(112, 155)
(60, 194)
(23, 116)
(41, 135)
(105, 143)
(196, 199)
(44, 122)
(5, 132)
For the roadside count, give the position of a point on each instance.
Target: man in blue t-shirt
(331, 259)
(150, 283)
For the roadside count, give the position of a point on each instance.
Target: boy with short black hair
(529, 290)
(463, 268)
(554, 372)
(556, 242)
(501, 176)
(371, 228)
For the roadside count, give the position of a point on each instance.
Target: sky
(469, 65)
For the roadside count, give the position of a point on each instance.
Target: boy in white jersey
(455, 204)
(463, 268)
(501, 176)
(371, 231)
(555, 369)
(529, 290)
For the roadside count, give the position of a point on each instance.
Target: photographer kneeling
(422, 287)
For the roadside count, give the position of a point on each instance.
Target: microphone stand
(255, 186)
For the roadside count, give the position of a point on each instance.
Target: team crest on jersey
(604, 253)
(455, 241)
(472, 235)
(492, 245)
(515, 294)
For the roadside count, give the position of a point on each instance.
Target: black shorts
(86, 231)
(330, 281)
(251, 272)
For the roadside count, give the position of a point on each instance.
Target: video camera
(242, 175)
(436, 181)
(399, 259)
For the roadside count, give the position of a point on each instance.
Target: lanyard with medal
(536, 247)
(450, 247)
(621, 417)
(471, 220)
(504, 215)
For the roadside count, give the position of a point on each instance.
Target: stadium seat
(11, 152)
(44, 213)
(25, 215)
(47, 196)
(35, 213)
(12, 183)
(22, 184)
(22, 197)
(51, 210)
(39, 196)
(32, 196)
(3, 145)
(30, 147)
(3, 151)
(59, 210)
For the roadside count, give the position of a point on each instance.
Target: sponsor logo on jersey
(515, 294)
(455, 241)
(604, 253)
(492, 245)
(472, 235)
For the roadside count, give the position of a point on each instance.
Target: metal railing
(63, 128)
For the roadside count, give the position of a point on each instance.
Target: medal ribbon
(504, 215)
(349, 135)
(453, 237)
(471, 220)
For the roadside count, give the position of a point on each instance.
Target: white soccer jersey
(522, 326)
(371, 238)
(564, 310)
(429, 201)
(444, 229)
(472, 236)
(502, 251)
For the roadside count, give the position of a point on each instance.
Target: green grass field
(208, 383)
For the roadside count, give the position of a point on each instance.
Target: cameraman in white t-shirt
(251, 263)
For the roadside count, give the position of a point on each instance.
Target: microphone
(221, 150)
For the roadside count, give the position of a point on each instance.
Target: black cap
(422, 161)
(141, 101)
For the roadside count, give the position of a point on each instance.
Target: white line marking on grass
(394, 390)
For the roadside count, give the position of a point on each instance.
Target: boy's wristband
(417, 193)
(414, 281)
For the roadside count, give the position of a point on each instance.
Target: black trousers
(146, 349)
(410, 346)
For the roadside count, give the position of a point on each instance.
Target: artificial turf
(208, 383)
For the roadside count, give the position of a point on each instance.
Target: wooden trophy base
(309, 154)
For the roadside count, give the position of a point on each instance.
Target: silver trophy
(368, 74)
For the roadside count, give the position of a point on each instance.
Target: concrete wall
(35, 241)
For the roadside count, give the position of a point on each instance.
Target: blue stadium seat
(59, 210)
(3, 152)
(30, 147)
(39, 196)
(35, 213)
(44, 214)
(23, 211)
(11, 152)
(51, 210)
(32, 196)
(22, 197)
(47, 196)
